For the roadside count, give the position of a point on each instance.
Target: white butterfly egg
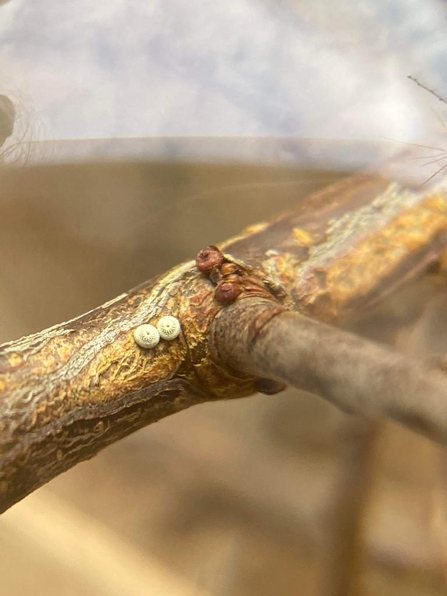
(146, 336)
(169, 327)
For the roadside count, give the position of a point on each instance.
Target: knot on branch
(233, 279)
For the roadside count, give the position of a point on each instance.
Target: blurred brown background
(266, 495)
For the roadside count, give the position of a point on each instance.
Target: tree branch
(359, 376)
(69, 391)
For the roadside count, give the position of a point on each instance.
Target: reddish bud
(227, 291)
(209, 258)
(232, 279)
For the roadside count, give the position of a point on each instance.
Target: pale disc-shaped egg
(169, 327)
(146, 336)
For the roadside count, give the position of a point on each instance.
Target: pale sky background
(114, 68)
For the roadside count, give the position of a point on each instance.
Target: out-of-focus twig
(7, 118)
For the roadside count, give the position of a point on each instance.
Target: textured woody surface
(356, 375)
(71, 390)
(349, 245)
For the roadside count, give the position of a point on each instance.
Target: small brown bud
(232, 279)
(208, 259)
(227, 291)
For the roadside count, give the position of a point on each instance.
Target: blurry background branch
(7, 117)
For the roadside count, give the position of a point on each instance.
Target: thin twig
(342, 566)
(419, 84)
(356, 375)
